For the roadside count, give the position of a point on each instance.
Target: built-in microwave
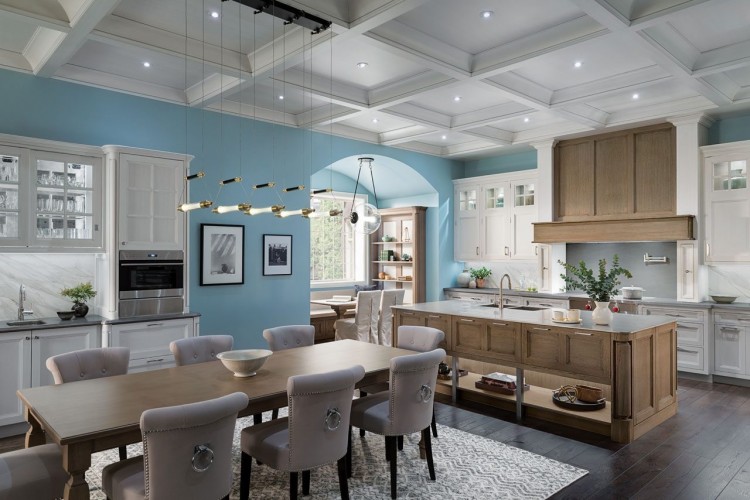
(151, 282)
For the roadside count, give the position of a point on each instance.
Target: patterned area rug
(466, 466)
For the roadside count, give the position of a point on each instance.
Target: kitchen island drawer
(690, 358)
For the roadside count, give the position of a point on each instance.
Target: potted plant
(480, 274)
(79, 294)
(599, 287)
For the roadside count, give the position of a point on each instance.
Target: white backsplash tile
(521, 273)
(730, 280)
(44, 275)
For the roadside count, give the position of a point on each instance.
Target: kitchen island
(633, 360)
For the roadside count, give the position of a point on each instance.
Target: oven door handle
(153, 263)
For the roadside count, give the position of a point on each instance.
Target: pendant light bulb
(186, 207)
(223, 209)
(265, 210)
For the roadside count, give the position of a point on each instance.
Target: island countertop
(621, 323)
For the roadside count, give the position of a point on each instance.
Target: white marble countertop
(89, 319)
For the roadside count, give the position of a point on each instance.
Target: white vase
(463, 279)
(602, 315)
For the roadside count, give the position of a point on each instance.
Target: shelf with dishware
(399, 252)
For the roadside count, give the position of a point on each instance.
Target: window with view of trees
(337, 253)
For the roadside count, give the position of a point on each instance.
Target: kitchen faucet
(21, 298)
(500, 300)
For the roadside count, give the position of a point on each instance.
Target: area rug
(466, 466)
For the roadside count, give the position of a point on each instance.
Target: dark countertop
(621, 323)
(89, 320)
(652, 301)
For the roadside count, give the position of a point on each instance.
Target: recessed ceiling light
(214, 14)
(526, 120)
(486, 14)
(635, 96)
(444, 137)
(577, 64)
(457, 98)
(146, 64)
(361, 65)
(374, 120)
(281, 98)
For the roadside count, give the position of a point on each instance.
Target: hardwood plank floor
(702, 453)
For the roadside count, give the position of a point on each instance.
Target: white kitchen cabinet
(694, 341)
(148, 341)
(22, 361)
(476, 298)
(727, 202)
(150, 186)
(545, 302)
(731, 330)
(50, 196)
(687, 266)
(494, 216)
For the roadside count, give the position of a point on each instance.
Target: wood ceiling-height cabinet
(627, 173)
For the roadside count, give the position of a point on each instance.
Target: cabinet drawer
(468, 335)
(678, 313)
(541, 346)
(690, 358)
(690, 334)
(732, 317)
(479, 298)
(504, 340)
(152, 363)
(587, 353)
(562, 304)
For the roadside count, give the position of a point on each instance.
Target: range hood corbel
(673, 228)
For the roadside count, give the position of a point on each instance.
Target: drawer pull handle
(585, 333)
(155, 324)
(729, 329)
(500, 324)
(743, 319)
(154, 360)
(541, 329)
(674, 315)
(466, 320)
(476, 298)
(682, 349)
(687, 327)
(433, 316)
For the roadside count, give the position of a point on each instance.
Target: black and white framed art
(222, 254)
(277, 254)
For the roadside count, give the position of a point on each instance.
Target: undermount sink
(518, 308)
(25, 322)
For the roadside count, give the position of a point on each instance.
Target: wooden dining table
(339, 306)
(94, 415)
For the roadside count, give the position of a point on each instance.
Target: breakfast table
(95, 415)
(339, 306)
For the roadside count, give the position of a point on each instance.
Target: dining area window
(338, 254)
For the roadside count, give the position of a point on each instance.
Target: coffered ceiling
(439, 78)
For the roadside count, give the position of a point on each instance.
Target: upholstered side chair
(201, 349)
(404, 409)
(315, 433)
(34, 472)
(364, 325)
(385, 319)
(187, 453)
(287, 337)
(89, 364)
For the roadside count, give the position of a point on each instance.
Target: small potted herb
(79, 294)
(480, 274)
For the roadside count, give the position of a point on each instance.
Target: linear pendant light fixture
(289, 14)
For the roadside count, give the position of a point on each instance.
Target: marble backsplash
(522, 274)
(44, 275)
(730, 280)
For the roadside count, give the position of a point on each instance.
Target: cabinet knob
(28, 338)
(123, 243)
(36, 337)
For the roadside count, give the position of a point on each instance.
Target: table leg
(454, 378)
(35, 435)
(519, 393)
(76, 461)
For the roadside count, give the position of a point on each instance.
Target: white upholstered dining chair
(364, 325)
(88, 364)
(200, 349)
(187, 453)
(32, 473)
(385, 319)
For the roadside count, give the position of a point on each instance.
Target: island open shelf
(634, 360)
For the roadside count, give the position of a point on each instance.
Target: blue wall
(730, 129)
(512, 162)
(225, 146)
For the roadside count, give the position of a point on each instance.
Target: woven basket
(589, 394)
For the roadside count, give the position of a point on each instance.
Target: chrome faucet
(500, 300)
(21, 298)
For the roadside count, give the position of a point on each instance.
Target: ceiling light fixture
(214, 14)
(577, 64)
(486, 14)
(444, 137)
(281, 98)
(526, 120)
(636, 96)
(374, 120)
(146, 64)
(365, 218)
(457, 98)
(362, 65)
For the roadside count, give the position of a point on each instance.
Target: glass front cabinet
(50, 200)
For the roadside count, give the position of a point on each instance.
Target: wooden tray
(577, 405)
(494, 388)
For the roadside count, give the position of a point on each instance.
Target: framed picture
(277, 254)
(222, 254)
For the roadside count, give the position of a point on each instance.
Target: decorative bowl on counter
(723, 299)
(244, 363)
(65, 314)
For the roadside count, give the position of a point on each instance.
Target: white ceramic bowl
(244, 363)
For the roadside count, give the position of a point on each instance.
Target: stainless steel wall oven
(151, 282)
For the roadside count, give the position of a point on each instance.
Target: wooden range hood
(671, 228)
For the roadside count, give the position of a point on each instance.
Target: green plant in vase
(600, 287)
(79, 294)
(480, 274)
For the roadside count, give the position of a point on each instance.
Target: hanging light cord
(374, 191)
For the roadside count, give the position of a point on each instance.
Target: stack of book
(498, 382)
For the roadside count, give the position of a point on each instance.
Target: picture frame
(222, 254)
(277, 254)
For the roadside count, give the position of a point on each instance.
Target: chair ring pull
(203, 457)
(425, 393)
(333, 419)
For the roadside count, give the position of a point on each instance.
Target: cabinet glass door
(467, 200)
(524, 195)
(9, 202)
(729, 175)
(495, 197)
(64, 203)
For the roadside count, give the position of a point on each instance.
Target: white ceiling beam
(324, 115)
(469, 147)
(611, 85)
(263, 114)
(14, 61)
(367, 15)
(406, 88)
(213, 86)
(40, 17)
(490, 114)
(51, 53)
(406, 134)
(722, 59)
(108, 81)
(657, 112)
(549, 132)
(318, 86)
(585, 114)
(40, 47)
(522, 89)
(667, 14)
(492, 134)
(420, 115)
(723, 84)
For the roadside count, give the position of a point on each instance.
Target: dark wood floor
(701, 453)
